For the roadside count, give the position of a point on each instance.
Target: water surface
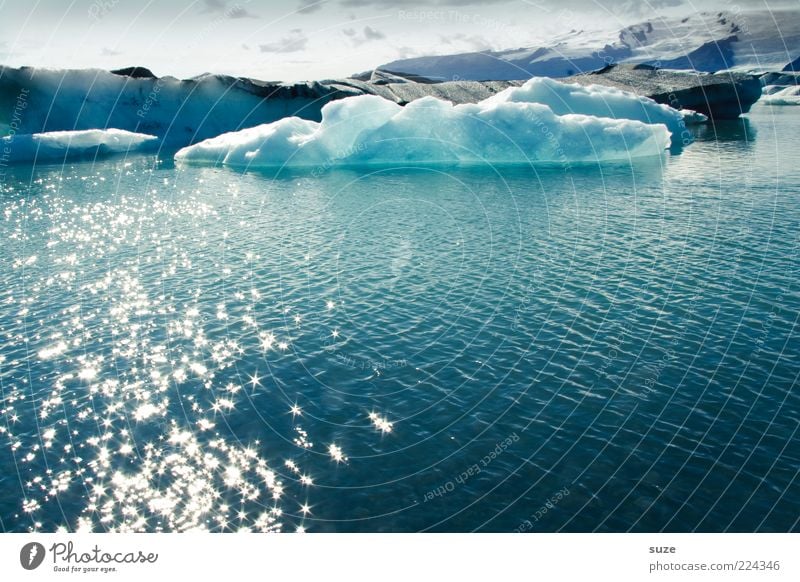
(596, 348)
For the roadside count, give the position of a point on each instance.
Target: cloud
(213, 6)
(421, 3)
(309, 6)
(368, 34)
(107, 52)
(372, 34)
(236, 11)
(5, 53)
(407, 52)
(474, 42)
(542, 9)
(547, 6)
(296, 41)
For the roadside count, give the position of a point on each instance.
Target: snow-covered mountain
(756, 40)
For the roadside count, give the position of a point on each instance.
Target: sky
(295, 40)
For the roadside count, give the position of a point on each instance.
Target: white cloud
(472, 42)
(235, 11)
(296, 41)
(309, 6)
(372, 34)
(368, 34)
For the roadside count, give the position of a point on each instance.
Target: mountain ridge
(705, 41)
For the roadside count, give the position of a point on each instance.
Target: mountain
(793, 67)
(754, 40)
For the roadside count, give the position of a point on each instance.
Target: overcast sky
(295, 40)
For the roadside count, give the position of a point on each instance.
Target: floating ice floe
(542, 121)
(61, 145)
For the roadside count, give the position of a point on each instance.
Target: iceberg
(719, 96)
(598, 101)
(182, 113)
(178, 112)
(512, 127)
(781, 95)
(61, 145)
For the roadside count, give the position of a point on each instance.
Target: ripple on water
(238, 352)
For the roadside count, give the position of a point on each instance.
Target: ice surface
(542, 121)
(178, 112)
(780, 95)
(60, 145)
(599, 101)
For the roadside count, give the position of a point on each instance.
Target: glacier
(542, 121)
(62, 145)
(179, 112)
(737, 39)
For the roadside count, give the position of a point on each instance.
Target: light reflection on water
(131, 376)
(200, 349)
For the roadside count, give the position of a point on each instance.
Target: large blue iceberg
(541, 121)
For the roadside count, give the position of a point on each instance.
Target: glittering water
(604, 348)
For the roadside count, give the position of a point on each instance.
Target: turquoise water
(606, 348)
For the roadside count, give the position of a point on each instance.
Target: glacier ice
(508, 128)
(599, 101)
(178, 112)
(781, 95)
(60, 145)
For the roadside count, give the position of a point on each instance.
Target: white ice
(504, 129)
(781, 95)
(60, 145)
(178, 112)
(598, 101)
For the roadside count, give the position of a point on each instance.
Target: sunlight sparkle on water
(128, 369)
(336, 453)
(380, 423)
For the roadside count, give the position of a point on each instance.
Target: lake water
(602, 348)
